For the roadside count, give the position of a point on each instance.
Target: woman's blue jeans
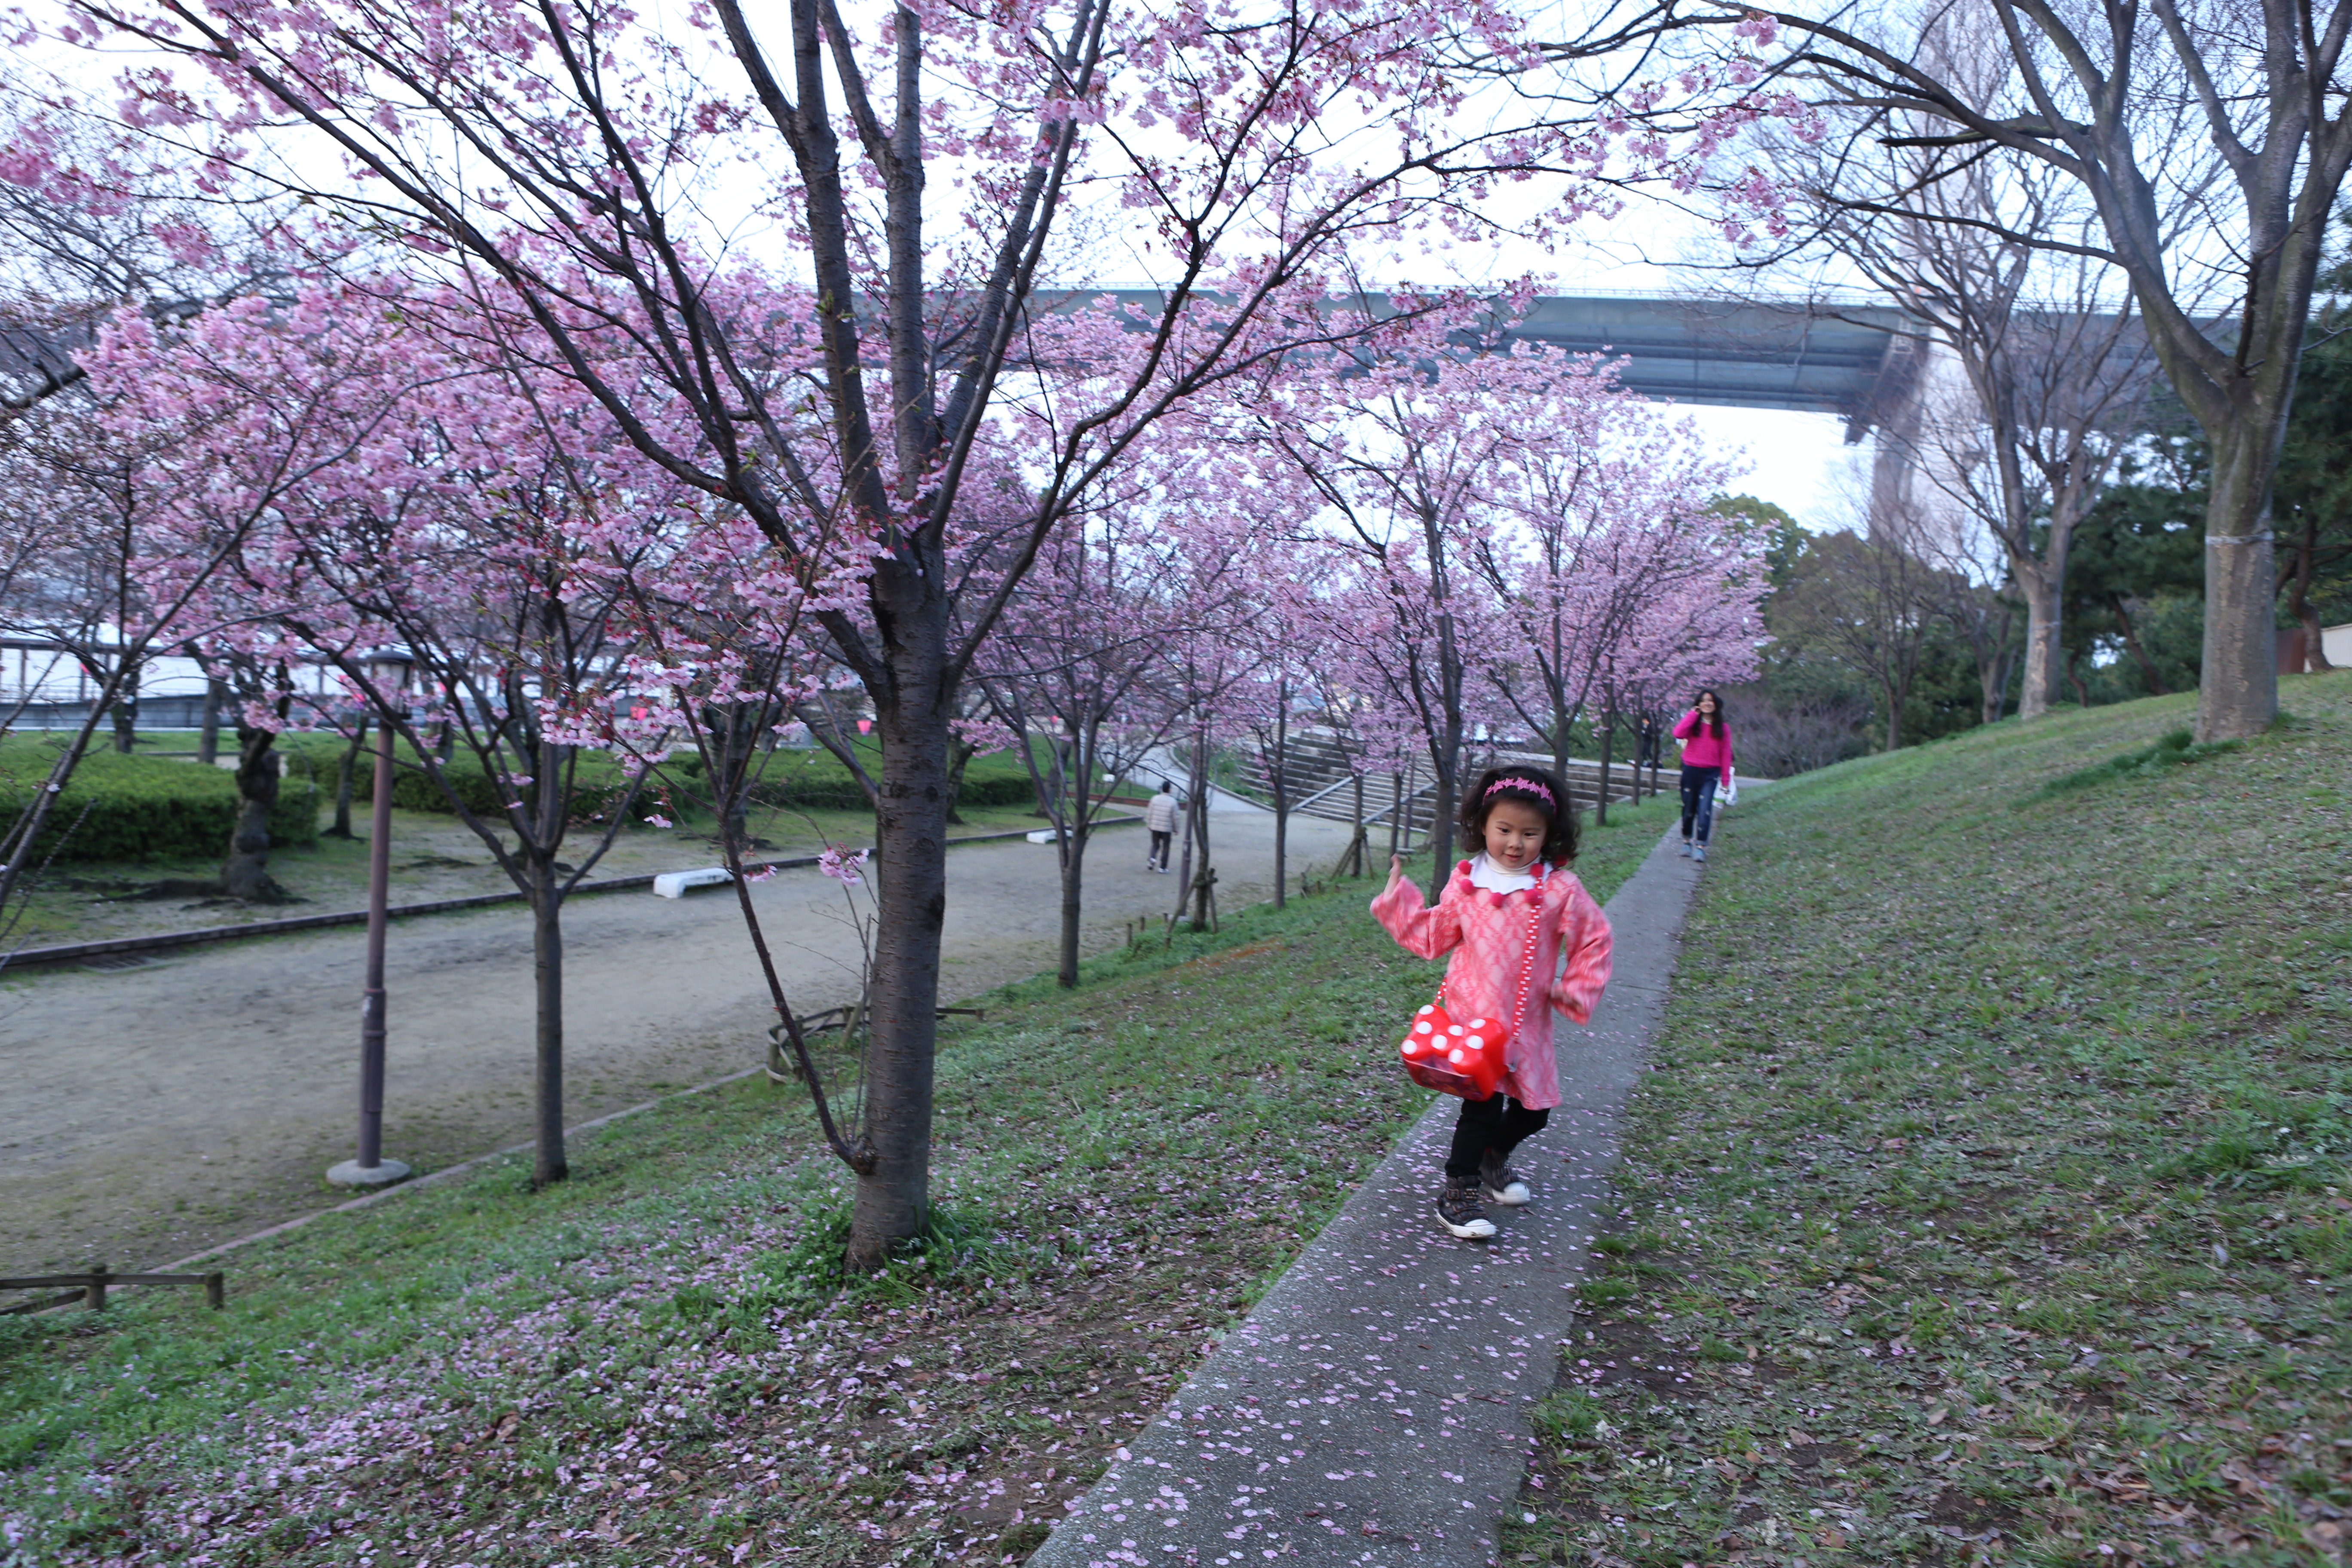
(1698, 798)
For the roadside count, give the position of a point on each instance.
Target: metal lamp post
(388, 668)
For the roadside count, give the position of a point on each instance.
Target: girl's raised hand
(1396, 873)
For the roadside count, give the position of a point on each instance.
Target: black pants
(1495, 1126)
(1159, 843)
(1698, 798)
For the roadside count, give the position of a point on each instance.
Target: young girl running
(1518, 821)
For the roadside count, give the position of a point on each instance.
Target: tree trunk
(547, 1164)
(1992, 674)
(1074, 853)
(343, 771)
(1281, 795)
(2131, 642)
(2082, 688)
(1184, 863)
(2237, 681)
(208, 729)
(1355, 845)
(2306, 613)
(1608, 740)
(126, 712)
(1895, 698)
(961, 753)
(1206, 877)
(2045, 660)
(1992, 688)
(1441, 819)
(1560, 753)
(910, 826)
(245, 873)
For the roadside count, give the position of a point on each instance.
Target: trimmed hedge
(148, 808)
(814, 780)
(841, 792)
(811, 779)
(594, 790)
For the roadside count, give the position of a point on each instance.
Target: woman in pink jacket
(1707, 763)
(1512, 914)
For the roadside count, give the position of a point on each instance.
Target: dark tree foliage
(1862, 637)
(2312, 508)
(2134, 588)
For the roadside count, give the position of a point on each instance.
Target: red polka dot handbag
(1467, 1056)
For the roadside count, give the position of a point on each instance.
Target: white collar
(1484, 873)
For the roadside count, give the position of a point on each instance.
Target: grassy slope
(1991, 1201)
(646, 1361)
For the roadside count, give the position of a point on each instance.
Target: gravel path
(148, 1113)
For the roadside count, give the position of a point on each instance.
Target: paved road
(147, 1113)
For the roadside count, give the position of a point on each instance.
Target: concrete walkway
(1374, 1407)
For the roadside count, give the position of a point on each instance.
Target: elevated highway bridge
(1841, 358)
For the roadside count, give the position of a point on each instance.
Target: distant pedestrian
(1707, 763)
(1650, 735)
(1512, 915)
(1160, 821)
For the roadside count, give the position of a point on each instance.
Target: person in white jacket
(1159, 819)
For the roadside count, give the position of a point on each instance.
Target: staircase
(1318, 774)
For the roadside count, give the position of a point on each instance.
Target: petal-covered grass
(1990, 1203)
(653, 1363)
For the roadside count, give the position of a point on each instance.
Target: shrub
(809, 779)
(597, 785)
(148, 808)
(2174, 750)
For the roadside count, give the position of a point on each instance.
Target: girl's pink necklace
(1527, 959)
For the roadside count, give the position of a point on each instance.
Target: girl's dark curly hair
(1529, 786)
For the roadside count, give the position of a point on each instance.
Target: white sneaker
(1698, 851)
(1504, 1185)
(1458, 1211)
(1686, 849)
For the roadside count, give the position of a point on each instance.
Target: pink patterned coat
(1486, 932)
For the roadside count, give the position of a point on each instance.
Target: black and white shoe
(1458, 1211)
(1503, 1185)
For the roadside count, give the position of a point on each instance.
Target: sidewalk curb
(165, 942)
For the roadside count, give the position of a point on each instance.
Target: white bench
(674, 884)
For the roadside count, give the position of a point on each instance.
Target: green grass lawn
(650, 1362)
(1990, 1203)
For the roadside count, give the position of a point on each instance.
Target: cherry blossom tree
(198, 436)
(566, 149)
(1625, 583)
(1405, 455)
(478, 524)
(1073, 680)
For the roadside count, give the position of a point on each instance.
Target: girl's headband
(1530, 785)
